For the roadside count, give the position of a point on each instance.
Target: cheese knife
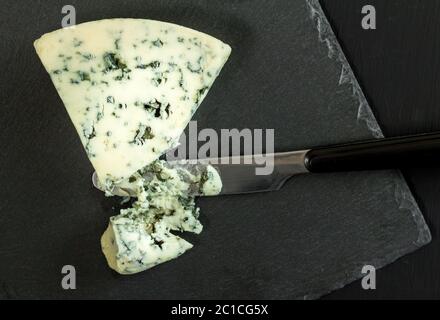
(238, 173)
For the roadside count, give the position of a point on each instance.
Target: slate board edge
(403, 195)
(327, 36)
(406, 201)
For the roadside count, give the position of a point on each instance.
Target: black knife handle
(389, 153)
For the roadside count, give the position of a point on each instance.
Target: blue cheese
(198, 179)
(130, 86)
(211, 183)
(131, 245)
(140, 238)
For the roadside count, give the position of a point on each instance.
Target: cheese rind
(130, 86)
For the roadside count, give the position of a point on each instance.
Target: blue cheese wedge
(130, 86)
(140, 238)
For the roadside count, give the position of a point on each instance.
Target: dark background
(398, 67)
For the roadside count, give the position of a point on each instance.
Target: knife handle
(388, 153)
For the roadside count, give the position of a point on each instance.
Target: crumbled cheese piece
(130, 247)
(139, 238)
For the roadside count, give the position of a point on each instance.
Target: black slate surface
(311, 237)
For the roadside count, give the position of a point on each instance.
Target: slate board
(286, 72)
